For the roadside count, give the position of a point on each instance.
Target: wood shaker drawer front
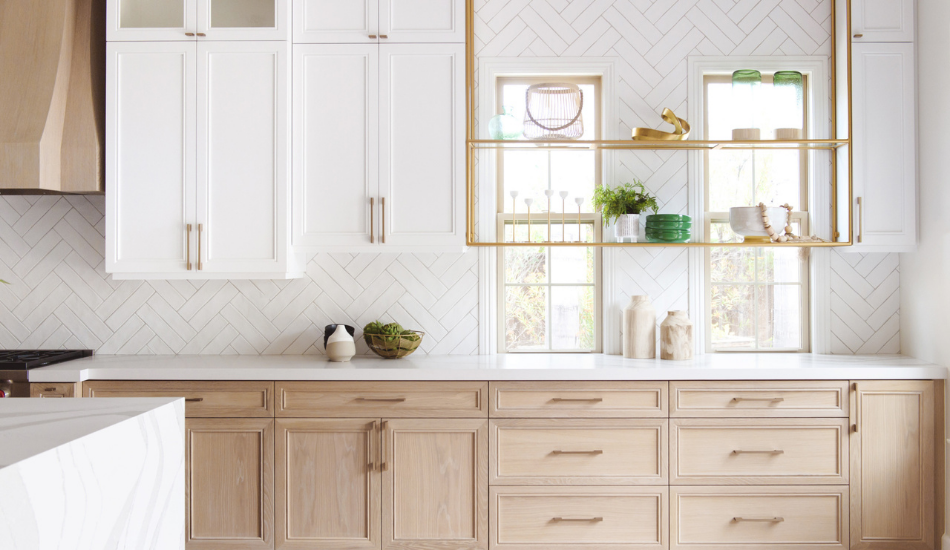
(579, 399)
(772, 518)
(542, 518)
(47, 389)
(202, 399)
(578, 452)
(800, 399)
(781, 451)
(382, 399)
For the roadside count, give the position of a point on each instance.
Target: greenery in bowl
(390, 332)
(630, 198)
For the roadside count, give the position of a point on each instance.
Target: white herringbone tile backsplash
(51, 248)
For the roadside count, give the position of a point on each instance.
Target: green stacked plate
(668, 228)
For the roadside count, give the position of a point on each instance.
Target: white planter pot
(627, 228)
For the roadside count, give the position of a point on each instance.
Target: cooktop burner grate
(23, 359)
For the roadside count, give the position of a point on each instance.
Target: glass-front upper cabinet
(149, 20)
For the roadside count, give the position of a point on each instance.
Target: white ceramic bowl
(746, 221)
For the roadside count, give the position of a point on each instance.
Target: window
(549, 297)
(756, 298)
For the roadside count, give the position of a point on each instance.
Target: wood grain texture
(328, 486)
(47, 389)
(814, 451)
(229, 483)
(51, 56)
(382, 399)
(435, 484)
(632, 518)
(705, 518)
(632, 452)
(892, 465)
(767, 399)
(250, 399)
(579, 399)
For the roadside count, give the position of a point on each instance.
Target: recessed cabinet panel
(885, 157)
(244, 19)
(336, 22)
(414, 21)
(422, 126)
(242, 144)
(150, 145)
(336, 166)
(136, 20)
(883, 20)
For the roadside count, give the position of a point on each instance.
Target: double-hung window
(549, 297)
(756, 298)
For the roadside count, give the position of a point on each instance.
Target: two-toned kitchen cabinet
(379, 21)
(198, 161)
(378, 146)
(177, 20)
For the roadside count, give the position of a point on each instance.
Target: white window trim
(817, 69)
(490, 68)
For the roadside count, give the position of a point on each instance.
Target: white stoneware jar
(676, 337)
(639, 329)
(339, 343)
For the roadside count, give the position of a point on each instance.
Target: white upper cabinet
(883, 20)
(243, 159)
(383, 21)
(150, 157)
(150, 20)
(422, 132)
(336, 136)
(885, 145)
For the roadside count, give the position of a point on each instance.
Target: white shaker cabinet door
(150, 151)
(244, 19)
(336, 21)
(885, 148)
(415, 21)
(882, 20)
(149, 20)
(421, 142)
(243, 152)
(336, 152)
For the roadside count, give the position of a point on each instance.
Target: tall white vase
(676, 337)
(639, 329)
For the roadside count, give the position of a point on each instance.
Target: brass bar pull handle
(775, 399)
(594, 452)
(588, 520)
(383, 450)
(382, 220)
(763, 452)
(188, 247)
(859, 35)
(857, 407)
(776, 519)
(382, 399)
(372, 36)
(194, 399)
(189, 34)
(578, 400)
(199, 247)
(49, 389)
(372, 220)
(202, 34)
(384, 36)
(860, 219)
(374, 427)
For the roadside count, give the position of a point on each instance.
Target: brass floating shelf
(686, 145)
(473, 243)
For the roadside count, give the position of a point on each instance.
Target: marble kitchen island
(92, 474)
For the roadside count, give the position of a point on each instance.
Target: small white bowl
(746, 221)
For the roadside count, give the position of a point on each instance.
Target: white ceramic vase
(639, 329)
(340, 345)
(627, 228)
(676, 337)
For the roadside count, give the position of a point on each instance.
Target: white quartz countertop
(30, 427)
(734, 366)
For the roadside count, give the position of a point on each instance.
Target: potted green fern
(621, 207)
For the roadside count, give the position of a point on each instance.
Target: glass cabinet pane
(154, 14)
(243, 13)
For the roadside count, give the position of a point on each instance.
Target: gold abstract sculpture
(649, 134)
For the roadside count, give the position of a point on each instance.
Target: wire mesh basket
(553, 111)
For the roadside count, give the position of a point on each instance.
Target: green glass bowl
(669, 218)
(656, 240)
(675, 233)
(669, 225)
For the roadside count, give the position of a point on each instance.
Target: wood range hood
(52, 96)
